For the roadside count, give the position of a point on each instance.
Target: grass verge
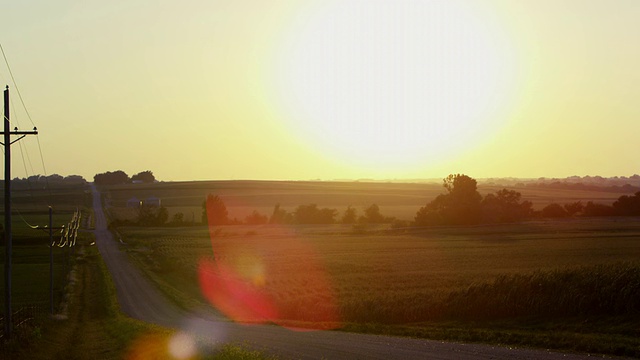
(95, 328)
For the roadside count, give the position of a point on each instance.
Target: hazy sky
(196, 90)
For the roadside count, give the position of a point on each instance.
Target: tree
(628, 205)
(279, 216)
(152, 215)
(594, 209)
(256, 218)
(214, 211)
(111, 178)
(372, 215)
(573, 208)
(460, 206)
(145, 177)
(350, 215)
(554, 210)
(433, 213)
(505, 206)
(311, 214)
(177, 219)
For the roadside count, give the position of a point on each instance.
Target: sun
(392, 84)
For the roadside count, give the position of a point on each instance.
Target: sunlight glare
(257, 281)
(393, 83)
(182, 346)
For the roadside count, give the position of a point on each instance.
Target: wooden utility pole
(7, 209)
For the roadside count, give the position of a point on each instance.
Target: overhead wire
(73, 226)
(15, 84)
(23, 149)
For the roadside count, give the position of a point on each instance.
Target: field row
(380, 275)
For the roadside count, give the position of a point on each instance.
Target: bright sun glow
(393, 84)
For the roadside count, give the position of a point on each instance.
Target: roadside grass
(96, 329)
(566, 285)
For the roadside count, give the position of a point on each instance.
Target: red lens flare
(278, 279)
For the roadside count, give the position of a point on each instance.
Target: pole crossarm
(17, 132)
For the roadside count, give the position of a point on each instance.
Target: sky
(324, 89)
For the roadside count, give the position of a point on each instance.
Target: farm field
(400, 200)
(400, 278)
(30, 256)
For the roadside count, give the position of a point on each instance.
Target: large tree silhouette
(214, 211)
(459, 206)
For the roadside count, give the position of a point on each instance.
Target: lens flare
(279, 280)
(182, 346)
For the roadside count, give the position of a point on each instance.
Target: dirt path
(139, 299)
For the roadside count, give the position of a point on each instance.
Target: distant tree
(256, 218)
(55, 178)
(311, 214)
(372, 215)
(434, 212)
(628, 205)
(573, 208)
(505, 206)
(111, 178)
(460, 206)
(144, 176)
(177, 219)
(214, 211)
(152, 215)
(554, 210)
(350, 215)
(74, 179)
(280, 216)
(162, 215)
(595, 209)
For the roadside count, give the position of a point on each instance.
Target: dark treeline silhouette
(119, 177)
(463, 205)
(53, 179)
(214, 212)
(626, 205)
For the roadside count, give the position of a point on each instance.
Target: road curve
(139, 299)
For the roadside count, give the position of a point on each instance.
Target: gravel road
(139, 299)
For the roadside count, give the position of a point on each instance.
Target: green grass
(97, 329)
(30, 270)
(536, 284)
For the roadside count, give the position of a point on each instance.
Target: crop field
(30, 255)
(378, 274)
(565, 284)
(400, 200)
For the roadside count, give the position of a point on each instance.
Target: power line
(15, 84)
(24, 106)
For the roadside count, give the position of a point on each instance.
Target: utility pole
(7, 208)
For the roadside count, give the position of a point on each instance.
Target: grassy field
(426, 282)
(242, 197)
(30, 255)
(94, 328)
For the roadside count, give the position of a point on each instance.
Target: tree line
(461, 204)
(119, 177)
(625, 205)
(214, 212)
